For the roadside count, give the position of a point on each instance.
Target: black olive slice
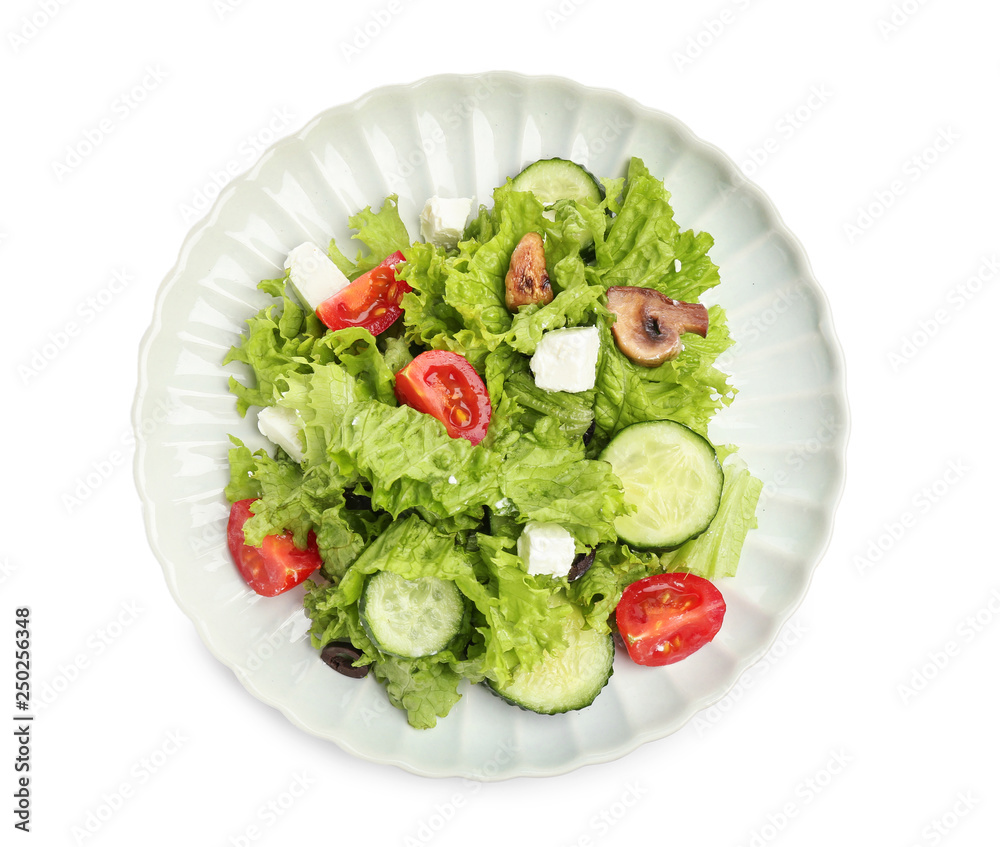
(581, 564)
(341, 655)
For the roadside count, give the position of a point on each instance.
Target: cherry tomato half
(371, 301)
(277, 564)
(664, 618)
(445, 385)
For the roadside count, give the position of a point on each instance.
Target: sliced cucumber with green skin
(559, 179)
(564, 681)
(411, 617)
(672, 476)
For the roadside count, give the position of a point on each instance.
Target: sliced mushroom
(527, 280)
(649, 324)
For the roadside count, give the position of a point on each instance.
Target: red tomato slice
(445, 385)
(277, 564)
(393, 260)
(371, 301)
(665, 617)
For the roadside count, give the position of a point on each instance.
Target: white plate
(462, 136)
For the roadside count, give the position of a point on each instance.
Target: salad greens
(384, 488)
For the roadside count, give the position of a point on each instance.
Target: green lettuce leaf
(280, 339)
(716, 552)
(598, 591)
(548, 478)
(520, 404)
(458, 301)
(688, 389)
(579, 299)
(383, 487)
(430, 320)
(410, 462)
(514, 623)
(373, 370)
(299, 500)
(382, 232)
(426, 688)
(524, 623)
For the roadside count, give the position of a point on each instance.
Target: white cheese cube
(546, 548)
(313, 275)
(442, 221)
(566, 359)
(282, 426)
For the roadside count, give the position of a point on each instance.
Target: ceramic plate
(461, 136)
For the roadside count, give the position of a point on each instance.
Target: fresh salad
(490, 453)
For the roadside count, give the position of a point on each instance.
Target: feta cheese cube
(283, 427)
(442, 221)
(313, 275)
(566, 359)
(546, 548)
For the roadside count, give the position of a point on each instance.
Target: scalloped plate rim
(825, 329)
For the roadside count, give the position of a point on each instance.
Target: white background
(873, 126)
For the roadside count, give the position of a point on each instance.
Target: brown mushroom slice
(649, 324)
(527, 280)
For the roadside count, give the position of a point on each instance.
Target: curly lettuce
(383, 487)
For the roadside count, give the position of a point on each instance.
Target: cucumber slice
(411, 617)
(559, 179)
(673, 478)
(568, 680)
